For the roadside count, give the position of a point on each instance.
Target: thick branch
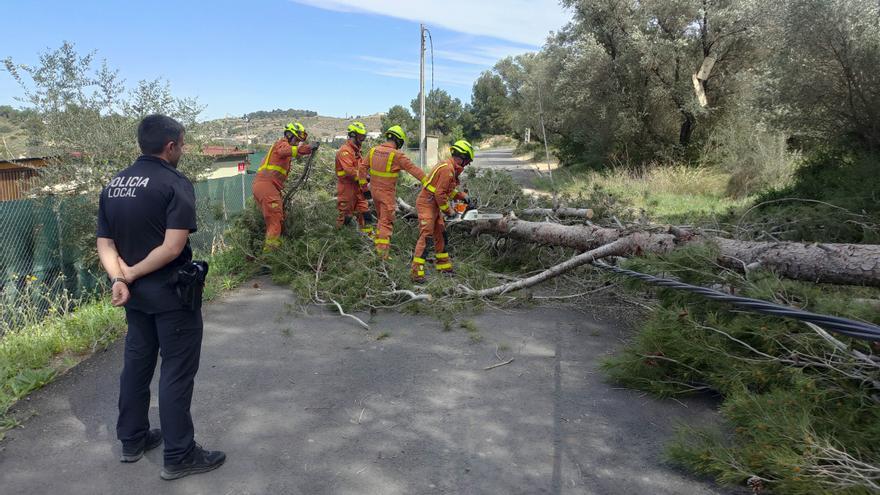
(631, 244)
(848, 264)
(405, 208)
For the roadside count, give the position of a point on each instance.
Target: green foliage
(784, 411)
(490, 106)
(442, 110)
(29, 380)
(757, 159)
(290, 113)
(399, 115)
(17, 116)
(26, 353)
(85, 110)
(615, 85)
(228, 269)
(825, 78)
(676, 194)
(832, 198)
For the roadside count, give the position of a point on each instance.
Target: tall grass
(33, 354)
(757, 159)
(663, 193)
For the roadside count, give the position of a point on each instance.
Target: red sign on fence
(242, 167)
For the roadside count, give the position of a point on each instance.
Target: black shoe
(151, 440)
(199, 461)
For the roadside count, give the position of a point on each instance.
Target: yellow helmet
(464, 148)
(397, 132)
(357, 128)
(296, 129)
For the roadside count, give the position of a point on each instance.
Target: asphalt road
(316, 405)
(523, 171)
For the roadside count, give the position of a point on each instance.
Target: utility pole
(422, 122)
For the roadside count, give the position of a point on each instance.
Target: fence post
(60, 229)
(242, 190)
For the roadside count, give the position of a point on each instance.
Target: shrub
(791, 423)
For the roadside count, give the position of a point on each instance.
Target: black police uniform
(136, 208)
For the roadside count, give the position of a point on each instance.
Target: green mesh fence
(217, 202)
(42, 266)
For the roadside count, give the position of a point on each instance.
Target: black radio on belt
(189, 282)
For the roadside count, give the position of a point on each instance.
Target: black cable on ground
(844, 326)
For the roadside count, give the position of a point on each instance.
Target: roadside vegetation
(782, 149)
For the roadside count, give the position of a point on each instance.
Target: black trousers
(177, 336)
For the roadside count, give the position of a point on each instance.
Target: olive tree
(90, 130)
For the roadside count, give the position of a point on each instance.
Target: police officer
(145, 217)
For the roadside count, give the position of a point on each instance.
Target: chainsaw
(473, 216)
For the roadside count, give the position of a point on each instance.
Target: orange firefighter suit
(351, 175)
(384, 164)
(269, 183)
(432, 204)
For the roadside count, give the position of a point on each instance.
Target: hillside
(13, 139)
(14, 134)
(267, 130)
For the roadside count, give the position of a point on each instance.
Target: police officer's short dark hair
(155, 131)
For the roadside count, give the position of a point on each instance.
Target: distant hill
(268, 128)
(15, 126)
(290, 113)
(265, 127)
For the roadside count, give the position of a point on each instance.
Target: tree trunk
(846, 264)
(687, 128)
(562, 211)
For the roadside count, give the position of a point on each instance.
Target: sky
(337, 57)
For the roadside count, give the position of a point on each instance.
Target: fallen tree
(560, 212)
(845, 264)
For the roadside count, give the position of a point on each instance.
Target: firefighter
(440, 189)
(351, 175)
(384, 164)
(271, 176)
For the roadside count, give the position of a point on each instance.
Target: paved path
(315, 405)
(522, 170)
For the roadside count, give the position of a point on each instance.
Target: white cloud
(485, 56)
(403, 69)
(521, 21)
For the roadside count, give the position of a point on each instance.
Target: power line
(844, 326)
(431, 40)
